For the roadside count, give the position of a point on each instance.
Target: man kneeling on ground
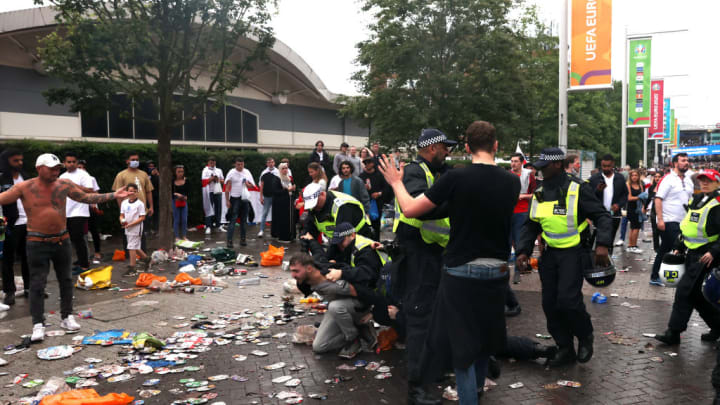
(345, 313)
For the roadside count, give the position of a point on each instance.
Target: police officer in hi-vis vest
(700, 229)
(328, 208)
(559, 210)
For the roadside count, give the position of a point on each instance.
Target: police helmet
(600, 276)
(711, 287)
(672, 269)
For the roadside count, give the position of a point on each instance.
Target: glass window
(215, 119)
(94, 123)
(144, 129)
(234, 124)
(194, 129)
(120, 117)
(250, 127)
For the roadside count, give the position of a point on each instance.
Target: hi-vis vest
(328, 227)
(362, 242)
(432, 231)
(694, 223)
(559, 221)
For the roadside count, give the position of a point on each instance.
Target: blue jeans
(238, 209)
(267, 205)
(180, 220)
(468, 380)
(517, 222)
(215, 221)
(623, 226)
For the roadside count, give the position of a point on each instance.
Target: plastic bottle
(249, 281)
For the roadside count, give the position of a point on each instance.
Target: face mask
(134, 164)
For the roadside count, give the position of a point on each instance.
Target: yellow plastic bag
(94, 279)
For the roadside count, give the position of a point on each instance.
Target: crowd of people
(443, 283)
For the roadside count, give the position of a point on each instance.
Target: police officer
(559, 210)
(700, 229)
(328, 208)
(418, 269)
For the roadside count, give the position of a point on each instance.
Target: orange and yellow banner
(591, 40)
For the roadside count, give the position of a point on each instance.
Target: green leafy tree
(443, 64)
(176, 54)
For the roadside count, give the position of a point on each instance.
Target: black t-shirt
(271, 184)
(377, 181)
(481, 199)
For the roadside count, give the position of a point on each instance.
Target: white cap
(311, 195)
(49, 160)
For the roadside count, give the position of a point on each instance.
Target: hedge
(105, 160)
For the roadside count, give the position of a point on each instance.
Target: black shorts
(634, 219)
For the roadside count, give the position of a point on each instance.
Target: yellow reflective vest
(432, 231)
(328, 227)
(362, 242)
(694, 224)
(559, 221)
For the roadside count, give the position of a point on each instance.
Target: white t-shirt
(73, 208)
(608, 192)
(238, 180)
(132, 211)
(274, 171)
(208, 172)
(335, 182)
(22, 217)
(675, 193)
(95, 186)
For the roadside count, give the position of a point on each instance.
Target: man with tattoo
(44, 199)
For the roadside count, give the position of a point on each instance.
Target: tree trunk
(166, 236)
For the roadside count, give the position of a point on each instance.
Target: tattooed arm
(74, 192)
(11, 195)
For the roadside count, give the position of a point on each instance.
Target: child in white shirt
(132, 215)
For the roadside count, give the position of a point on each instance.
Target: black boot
(542, 351)
(585, 349)
(716, 401)
(514, 311)
(566, 355)
(418, 396)
(9, 299)
(493, 370)
(710, 336)
(670, 337)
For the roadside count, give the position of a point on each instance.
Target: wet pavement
(626, 368)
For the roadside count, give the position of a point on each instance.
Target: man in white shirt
(78, 213)
(11, 164)
(212, 189)
(237, 198)
(265, 194)
(673, 194)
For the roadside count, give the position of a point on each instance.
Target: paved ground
(625, 368)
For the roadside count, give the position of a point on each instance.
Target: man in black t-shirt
(375, 184)
(468, 320)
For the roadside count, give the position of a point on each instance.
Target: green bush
(105, 160)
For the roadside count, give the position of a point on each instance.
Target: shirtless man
(44, 199)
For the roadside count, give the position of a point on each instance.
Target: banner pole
(645, 137)
(563, 79)
(623, 133)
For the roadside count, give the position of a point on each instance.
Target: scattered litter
(55, 352)
(275, 366)
(657, 359)
(382, 376)
(52, 333)
(282, 380)
(671, 354)
(629, 305)
(649, 335)
(450, 394)
(240, 357)
(293, 383)
(566, 383)
(346, 367)
(541, 336)
(517, 385)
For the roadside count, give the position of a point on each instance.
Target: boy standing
(132, 215)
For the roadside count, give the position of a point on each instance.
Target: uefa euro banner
(657, 122)
(666, 118)
(591, 39)
(639, 83)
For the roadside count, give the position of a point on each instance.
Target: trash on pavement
(599, 298)
(566, 383)
(145, 279)
(159, 256)
(541, 336)
(54, 385)
(119, 256)
(272, 257)
(656, 359)
(516, 385)
(86, 397)
(110, 337)
(95, 279)
(450, 394)
(188, 244)
(649, 335)
(249, 281)
(144, 339)
(304, 334)
(55, 352)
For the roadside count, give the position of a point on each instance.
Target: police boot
(585, 349)
(566, 355)
(545, 352)
(710, 336)
(418, 396)
(716, 401)
(670, 337)
(493, 370)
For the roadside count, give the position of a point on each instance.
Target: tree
(443, 64)
(176, 54)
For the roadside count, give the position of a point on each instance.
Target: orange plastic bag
(145, 279)
(386, 339)
(272, 257)
(534, 262)
(183, 277)
(119, 256)
(86, 397)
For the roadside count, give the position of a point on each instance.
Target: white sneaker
(634, 249)
(38, 334)
(260, 234)
(4, 307)
(619, 243)
(208, 230)
(3, 362)
(222, 228)
(69, 323)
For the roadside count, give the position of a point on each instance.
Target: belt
(42, 237)
(479, 272)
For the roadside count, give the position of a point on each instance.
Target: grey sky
(324, 33)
